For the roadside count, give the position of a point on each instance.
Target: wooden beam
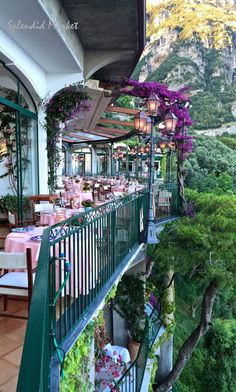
(95, 133)
(111, 130)
(116, 122)
(118, 109)
(79, 137)
(108, 135)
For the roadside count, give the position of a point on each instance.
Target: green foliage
(125, 101)
(63, 106)
(209, 21)
(76, 366)
(221, 364)
(139, 66)
(208, 111)
(10, 203)
(213, 361)
(212, 166)
(228, 141)
(169, 65)
(130, 304)
(206, 243)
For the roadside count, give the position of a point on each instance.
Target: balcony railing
(131, 380)
(78, 257)
(167, 201)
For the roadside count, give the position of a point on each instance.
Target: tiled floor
(12, 332)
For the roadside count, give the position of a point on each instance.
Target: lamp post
(145, 128)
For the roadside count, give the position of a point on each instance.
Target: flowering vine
(63, 106)
(175, 101)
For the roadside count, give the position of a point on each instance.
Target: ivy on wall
(76, 366)
(77, 361)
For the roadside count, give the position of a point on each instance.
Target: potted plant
(86, 187)
(87, 203)
(10, 203)
(130, 305)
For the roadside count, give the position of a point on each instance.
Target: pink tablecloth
(50, 219)
(80, 195)
(18, 242)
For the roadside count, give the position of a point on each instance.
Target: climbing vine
(77, 362)
(76, 366)
(63, 106)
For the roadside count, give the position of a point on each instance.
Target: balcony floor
(12, 333)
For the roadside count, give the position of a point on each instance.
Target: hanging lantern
(153, 104)
(140, 122)
(141, 150)
(162, 145)
(170, 121)
(148, 127)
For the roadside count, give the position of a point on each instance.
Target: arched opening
(18, 140)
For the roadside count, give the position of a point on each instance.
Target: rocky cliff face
(210, 74)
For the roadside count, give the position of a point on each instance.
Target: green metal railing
(131, 380)
(167, 201)
(77, 258)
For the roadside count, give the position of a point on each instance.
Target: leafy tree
(220, 368)
(202, 249)
(211, 166)
(228, 140)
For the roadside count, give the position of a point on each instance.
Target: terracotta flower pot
(133, 348)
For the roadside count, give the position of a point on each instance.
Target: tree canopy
(211, 166)
(201, 249)
(205, 243)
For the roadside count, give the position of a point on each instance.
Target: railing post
(113, 238)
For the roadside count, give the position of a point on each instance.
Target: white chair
(40, 208)
(12, 219)
(43, 207)
(164, 200)
(14, 222)
(16, 283)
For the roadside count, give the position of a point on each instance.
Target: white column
(93, 161)
(42, 153)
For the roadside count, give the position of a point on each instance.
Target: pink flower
(116, 374)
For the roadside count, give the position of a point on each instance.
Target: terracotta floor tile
(7, 372)
(14, 357)
(7, 345)
(18, 334)
(8, 325)
(22, 312)
(13, 306)
(9, 386)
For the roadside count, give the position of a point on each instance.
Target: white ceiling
(44, 46)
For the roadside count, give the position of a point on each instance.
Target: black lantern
(148, 127)
(153, 104)
(170, 121)
(140, 122)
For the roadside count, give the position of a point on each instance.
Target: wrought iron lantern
(153, 104)
(170, 121)
(140, 120)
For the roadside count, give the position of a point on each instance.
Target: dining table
(84, 257)
(22, 238)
